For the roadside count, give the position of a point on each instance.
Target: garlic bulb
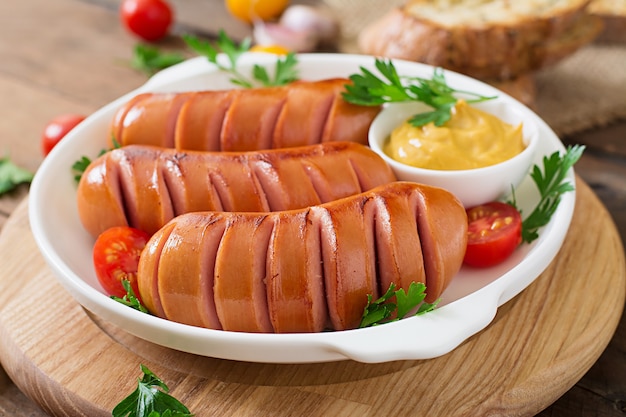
(311, 19)
(267, 33)
(300, 29)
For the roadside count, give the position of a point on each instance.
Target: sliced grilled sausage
(298, 114)
(348, 258)
(188, 301)
(145, 186)
(304, 270)
(294, 276)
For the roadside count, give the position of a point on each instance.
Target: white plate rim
(421, 337)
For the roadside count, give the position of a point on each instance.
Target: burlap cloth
(586, 90)
(583, 91)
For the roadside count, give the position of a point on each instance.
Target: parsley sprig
(285, 70)
(150, 399)
(81, 164)
(149, 59)
(12, 175)
(367, 89)
(79, 167)
(130, 299)
(551, 185)
(380, 311)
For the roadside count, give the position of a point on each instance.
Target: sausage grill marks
(145, 186)
(302, 270)
(285, 222)
(299, 114)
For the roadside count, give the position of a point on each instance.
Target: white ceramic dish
(471, 186)
(468, 305)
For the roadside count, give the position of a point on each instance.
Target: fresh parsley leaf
(285, 70)
(149, 59)
(79, 167)
(380, 311)
(408, 301)
(116, 144)
(439, 116)
(367, 89)
(202, 47)
(150, 399)
(12, 175)
(130, 299)
(226, 46)
(551, 186)
(232, 50)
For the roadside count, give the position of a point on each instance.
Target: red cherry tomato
(56, 129)
(495, 230)
(116, 257)
(148, 19)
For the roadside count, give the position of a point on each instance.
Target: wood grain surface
(538, 346)
(73, 56)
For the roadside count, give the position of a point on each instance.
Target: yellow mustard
(470, 139)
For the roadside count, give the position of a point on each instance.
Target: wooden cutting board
(539, 345)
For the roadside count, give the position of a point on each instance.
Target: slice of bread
(495, 39)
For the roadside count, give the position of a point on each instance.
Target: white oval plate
(468, 305)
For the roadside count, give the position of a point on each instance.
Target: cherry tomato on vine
(116, 257)
(150, 20)
(495, 230)
(250, 10)
(56, 129)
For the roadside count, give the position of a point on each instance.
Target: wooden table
(72, 56)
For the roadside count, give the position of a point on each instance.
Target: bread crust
(613, 15)
(614, 29)
(483, 49)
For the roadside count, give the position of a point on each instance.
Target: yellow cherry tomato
(250, 10)
(270, 49)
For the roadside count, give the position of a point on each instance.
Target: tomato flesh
(494, 232)
(57, 128)
(150, 20)
(116, 257)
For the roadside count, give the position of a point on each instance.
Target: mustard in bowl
(481, 154)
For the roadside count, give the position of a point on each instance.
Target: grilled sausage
(303, 270)
(145, 186)
(298, 114)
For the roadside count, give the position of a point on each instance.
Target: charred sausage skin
(303, 270)
(299, 114)
(145, 186)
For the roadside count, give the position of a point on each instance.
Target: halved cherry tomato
(56, 130)
(148, 19)
(495, 230)
(116, 257)
(250, 10)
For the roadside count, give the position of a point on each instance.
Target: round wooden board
(539, 345)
